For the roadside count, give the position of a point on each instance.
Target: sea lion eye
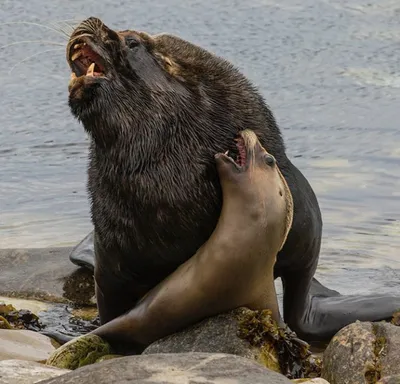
(269, 160)
(131, 42)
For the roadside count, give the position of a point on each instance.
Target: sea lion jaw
(250, 156)
(88, 56)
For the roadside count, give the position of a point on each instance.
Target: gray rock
(173, 368)
(24, 345)
(317, 380)
(390, 380)
(362, 353)
(218, 334)
(26, 372)
(44, 274)
(388, 348)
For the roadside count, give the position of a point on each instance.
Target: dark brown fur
(165, 107)
(153, 186)
(233, 269)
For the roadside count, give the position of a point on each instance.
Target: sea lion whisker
(36, 54)
(35, 24)
(63, 28)
(71, 27)
(95, 23)
(91, 26)
(32, 41)
(67, 22)
(79, 37)
(86, 26)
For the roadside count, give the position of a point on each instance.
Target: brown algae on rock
(294, 357)
(4, 324)
(11, 318)
(396, 318)
(86, 313)
(374, 371)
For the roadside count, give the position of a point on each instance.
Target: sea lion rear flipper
(83, 253)
(59, 337)
(319, 290)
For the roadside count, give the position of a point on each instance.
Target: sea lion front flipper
(83, 253)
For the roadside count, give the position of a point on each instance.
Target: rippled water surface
(329, 69)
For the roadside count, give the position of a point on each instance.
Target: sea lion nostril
(270, 160)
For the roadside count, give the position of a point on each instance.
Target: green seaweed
(294, 356)
(83, 350)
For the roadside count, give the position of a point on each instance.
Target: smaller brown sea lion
(234, 268)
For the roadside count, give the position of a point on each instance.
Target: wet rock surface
(218, 334)
(25, 345)
(174, 368)
(26, 372)
(362, 353)
(45, 274)
(246, 333)
(390, 380)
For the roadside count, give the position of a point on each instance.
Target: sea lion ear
(169, 64)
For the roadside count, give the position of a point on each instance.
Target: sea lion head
(256, 179)
(120, 80)
(130, 85)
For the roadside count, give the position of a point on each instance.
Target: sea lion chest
(152, 220)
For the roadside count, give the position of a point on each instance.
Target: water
(328, 69)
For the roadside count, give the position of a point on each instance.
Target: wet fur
(153, 185)
(152, 181)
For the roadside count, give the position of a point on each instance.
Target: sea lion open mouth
(240, 152)
(245, 145)
(84, 60)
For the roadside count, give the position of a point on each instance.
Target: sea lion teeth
(90, 70)
(76, 55)
(227, 153)
(73, 76)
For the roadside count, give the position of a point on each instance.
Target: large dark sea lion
(157, 109)
(234, 268)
